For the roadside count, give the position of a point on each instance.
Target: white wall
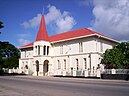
(103, 45)
(27, 53)
(26, 62)
(91, 51)
(72, 47)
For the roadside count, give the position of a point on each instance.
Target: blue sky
(21, 18)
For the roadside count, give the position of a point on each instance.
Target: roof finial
(43, 10)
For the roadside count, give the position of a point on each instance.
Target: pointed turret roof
(42, 32)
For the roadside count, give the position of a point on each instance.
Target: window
(77, 64)
(90, 60)
(59, 65)
(47, 50)
(64, 64)
(101, 46)
(85, 64)
(35, 50)
(22, 64)
(80, 47)
(38, 50)
(61, 49)
(44, 50)
(25, 54)
(26, 67)
(37, 66)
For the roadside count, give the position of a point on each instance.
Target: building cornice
(86, 36)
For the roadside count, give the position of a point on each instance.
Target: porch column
(41, 50)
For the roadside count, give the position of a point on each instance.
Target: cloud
(65, 24)
(23, 41)
(112, 18)
(34, 22)
(62, 21)
(52, 15)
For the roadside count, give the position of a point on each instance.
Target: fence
(90, 73)
(117, 74)
(106, 73)
(17, 71)
(116, 71)
(78, 73)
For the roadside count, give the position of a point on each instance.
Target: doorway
(45, 68)
(37, 66)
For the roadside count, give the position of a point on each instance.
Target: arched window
(85, 64)
(26, 67)
(59, 64)
(80, 47)
(47, 50)
(61, 49)
(44, 50)
(64, 64)
(77, 64)
(38, 50)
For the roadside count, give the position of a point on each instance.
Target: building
(67, 54)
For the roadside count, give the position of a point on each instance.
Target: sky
(21, 18)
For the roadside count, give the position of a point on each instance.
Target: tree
(1, 25)
(117, 57)
(9, 55)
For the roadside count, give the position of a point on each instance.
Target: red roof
(71, 34)
(67, 35)
(42, 32)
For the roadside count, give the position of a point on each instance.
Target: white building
(67, 54)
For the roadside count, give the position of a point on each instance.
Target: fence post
(64, 72)
(86, 73)
(98, 72)
(113, 71)
(74, 72)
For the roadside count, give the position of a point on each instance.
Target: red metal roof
(67, 35)
(42, 32)
(71, 34)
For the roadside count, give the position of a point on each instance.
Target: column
(41, 50)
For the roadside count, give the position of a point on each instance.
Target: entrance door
(45, 68)
(37, 66)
